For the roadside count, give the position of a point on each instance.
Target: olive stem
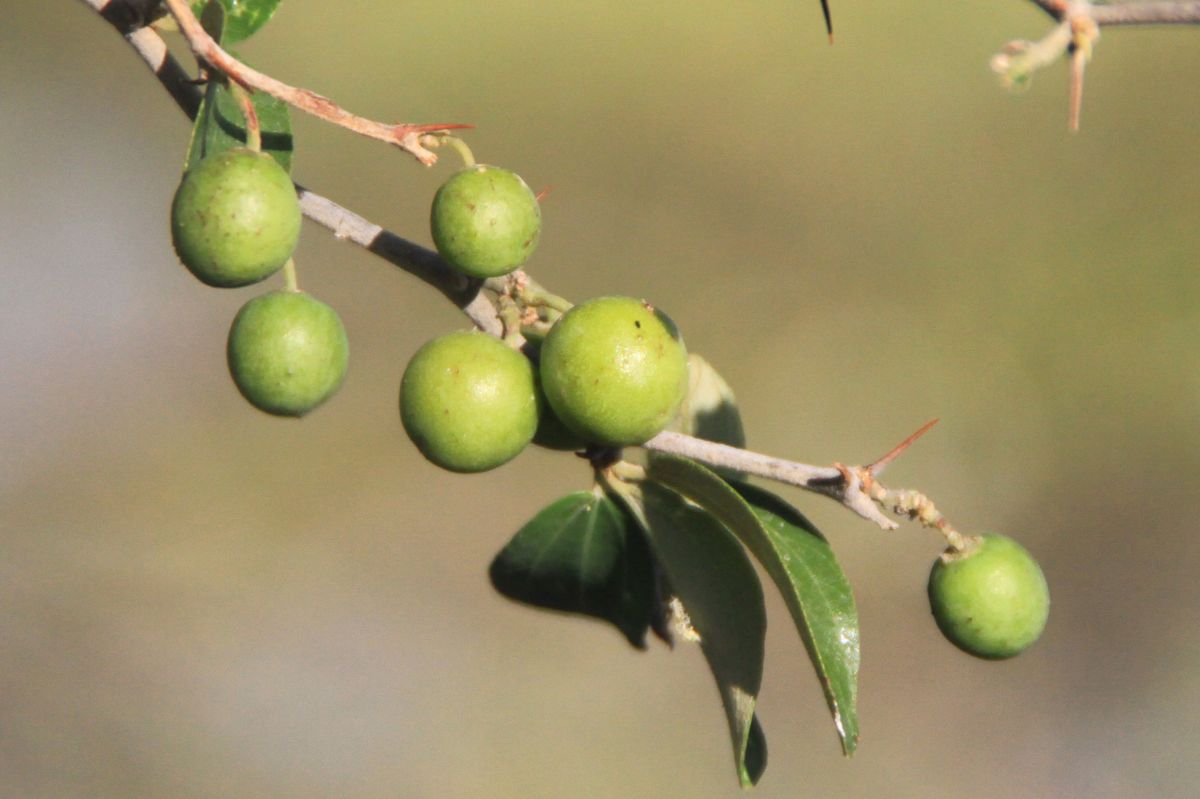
(510, 316)
(289, 275)
(919, 508)
(460, 147)
(533, 293)
(253, 129)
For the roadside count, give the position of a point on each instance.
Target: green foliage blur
(199, 600)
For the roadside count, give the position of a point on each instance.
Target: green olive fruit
(469, 402)
(990, 599)
(235, 219)
(485, 221)
(287, 352)
(614, 370)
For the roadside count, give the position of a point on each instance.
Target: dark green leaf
(715, 582)
(824, 598)
(220, 126)
(803, 568)
(581, 554)
(243, 17)
(212, 18)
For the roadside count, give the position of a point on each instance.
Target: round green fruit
(614, 370)
(469, 402)
(485, 221)
(287, 352)
(235, 219)
(990, 599)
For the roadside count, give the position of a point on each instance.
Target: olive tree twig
(1164, 12)
(857, 488)
(406, 136)
(1078, 29)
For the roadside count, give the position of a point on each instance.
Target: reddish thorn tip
(879, 465)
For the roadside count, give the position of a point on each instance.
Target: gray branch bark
(1164, 13)
(1130, 13)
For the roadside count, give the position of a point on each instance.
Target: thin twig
(1132, 13)
(403, 135)
(1078, 30)
(841, 483)
(1165, 13)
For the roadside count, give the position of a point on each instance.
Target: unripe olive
(485, 221)
(614, 370)
(287, 352)
(469, 402)
(990, 599)
(235, 219)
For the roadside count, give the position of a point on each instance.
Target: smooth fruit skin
(485, 221)
(469, 402)
(614, 370)
(235, 219)
(991, 600)
(287, 352)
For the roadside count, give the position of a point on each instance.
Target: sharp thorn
(828, 19)
(879, 465)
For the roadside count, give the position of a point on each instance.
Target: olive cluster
(611, 371)
(235, 221)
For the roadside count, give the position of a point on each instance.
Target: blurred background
(198, 600)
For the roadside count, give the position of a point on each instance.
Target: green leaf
(709, 409)
(220, 126)
(243, 17)
(212, 18)
(581, 554)
(716, 584)
(803, 567)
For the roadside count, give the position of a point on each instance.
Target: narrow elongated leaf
(715, 583)
(709, 409)
(801, 564)
(212, 18)
(581, 554)
(243, 17)
(824, 598)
